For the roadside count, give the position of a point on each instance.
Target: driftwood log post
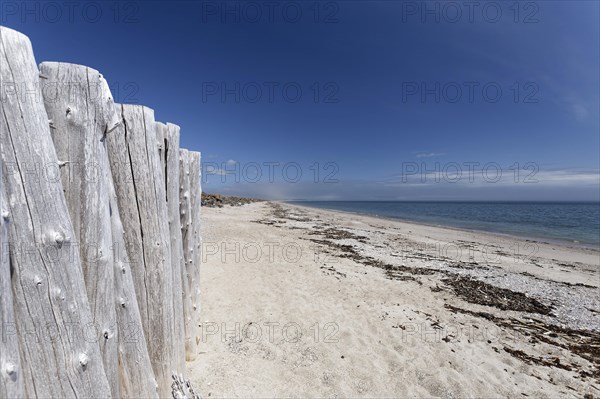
(11, 378)
(140, 189)
(191, 244)
(195, 197)
(168, 136)
(185, 222)
(51, 307)
(136, 374)
(78, 101)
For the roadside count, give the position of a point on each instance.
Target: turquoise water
(564, 221)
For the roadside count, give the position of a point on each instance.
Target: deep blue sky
(369, 61)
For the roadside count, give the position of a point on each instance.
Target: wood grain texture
(169, 154)
(195, 198)
(136, 374)
(191, 274)
(140, 189)
(82, 112)
(51, 306)
(11, 378)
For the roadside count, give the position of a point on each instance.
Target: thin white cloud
(507, 177)
(580, 111)
(429, 154)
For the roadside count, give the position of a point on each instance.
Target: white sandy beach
(300, 302)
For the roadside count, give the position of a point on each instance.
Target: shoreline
(540, 240)
(409, 318)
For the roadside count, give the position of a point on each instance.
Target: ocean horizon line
(566, 222)
(450, 201)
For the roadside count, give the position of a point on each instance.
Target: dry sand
(300, 302)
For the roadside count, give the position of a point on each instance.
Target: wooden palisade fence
(100, 243)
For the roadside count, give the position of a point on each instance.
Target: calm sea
(563, 221)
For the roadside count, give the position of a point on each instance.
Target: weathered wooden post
(137, 376)
(185, 222)
(195, 196)
(168, 136)
(140, 189)
(51, 307)
(191, 283)
(78, 101)
(11, 374)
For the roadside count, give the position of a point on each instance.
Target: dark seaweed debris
(583, 343)
(555, 362)
(333, 271)
(392, 272)
(482, 293)
(393, 275)
(281, 213)
(338, 234)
